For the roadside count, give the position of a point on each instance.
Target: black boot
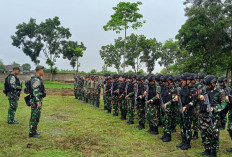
(109, 111)
(173, 129)
(229, 150)
(142, 126)
(164, 136)
(156, 130)
(186, 146)
(213, 154)
(130, 122)
(125, 116)
(98, 104)
(168, 138)
(223, 126)
(205, 153)
(150, 129)
(105, 108)
(182, 143)
(195, 136)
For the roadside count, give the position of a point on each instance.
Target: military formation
(36, 92)
(199, 104)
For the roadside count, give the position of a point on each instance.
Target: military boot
(162, 137)
(168, 137)
(213, 154)
(195, 136)
(141, 126)
(229, 150)
(130, 122)
(150, 128)
(223, 126)
(156, 130)
(182, 143)
(186, 146)
(205, 153)
(109, 111)
(173, 128)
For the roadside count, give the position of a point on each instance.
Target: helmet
(158, 77)
(151, 78)
(186, 76)
(140, 78)
(124, 76)
(210, 79)
(222, 79)
(165, 78)
(201, 76)
(115, 76)
(106, 75)
(132, 76)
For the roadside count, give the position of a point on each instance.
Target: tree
(112, 54)
(126, 16)
(15, 64)
(93, 71)
(168, 52)
(47, 37)
(2, 66)
(134, 52)
(72, 51)
(26, 66)
(151, 52)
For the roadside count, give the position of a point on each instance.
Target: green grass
(71, 128)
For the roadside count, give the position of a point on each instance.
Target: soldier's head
(39, 70)
(165, 79)
(16, 70)
(201, 77)
(132, 77)
(140, 79)
(186, 79)
(210, 81)
(222, 81)
(194, 78)
(106, 75)
(151, 79)
(158, 78)
(124, 77)
(115, 77)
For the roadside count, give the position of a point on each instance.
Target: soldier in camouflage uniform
(210, 124)
(115, 85)
(152, 103)
(159, 113)
(107, 93)
(97, 92)
(92, 90)
(103, 86)
(185, 116)
(12, 90)
(130, 99)
(229, 127)
(38, 93)
(140, 102)
(80, 88)
(122, 93)
(75, 86)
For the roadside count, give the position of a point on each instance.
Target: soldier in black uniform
(115, 102)
(122, 100)
(104, 86)
(107, 93)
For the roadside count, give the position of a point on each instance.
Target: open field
(71, 128)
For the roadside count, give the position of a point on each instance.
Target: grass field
(71, 128)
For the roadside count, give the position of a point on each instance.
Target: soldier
(185, 99)
(12, 90)
(152, 102)
(229, 127)
(130, 98)
(122, 93)
(80, 88)
(107, 93)
(103, 86)
(92, 90)
(159, 84)
(213, 103)
(75, 86)
(115, 85)
(97, 91)
(36, 101)
(225, 89)
(165, 96)
(140, 102)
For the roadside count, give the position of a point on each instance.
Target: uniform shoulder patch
(36, 83)
(12, 79)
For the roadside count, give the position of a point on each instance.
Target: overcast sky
(86, 18)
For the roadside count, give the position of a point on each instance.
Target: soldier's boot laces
(181, 144)
(195, 136)
(162, 137)
(205, 153)
(186, 146)
(168, 138)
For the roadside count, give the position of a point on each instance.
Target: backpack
(28, 89)
(7, 88)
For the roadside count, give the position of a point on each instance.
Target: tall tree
(112, 54)
(72, 51)
(168, 52)
(26, 66)
(126, 16)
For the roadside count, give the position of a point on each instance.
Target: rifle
(127, 83)
(207, 102)
(180, 102)
(161, 99)
(136, 93)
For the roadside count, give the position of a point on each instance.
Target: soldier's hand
(202, 98)
(176, 98)
(227, 99)
(165, 105)
(127, 97)
(158, 96)
(211, 109)
(39, 105)
(148, 102)
(184, 108)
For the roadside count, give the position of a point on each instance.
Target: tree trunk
(77, 66)
(124, 53)
(51, 73)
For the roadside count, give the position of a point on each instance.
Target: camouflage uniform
(115, 100)
(130, 102)
(13, 96)
(37, 98)
(107, 93)
(80, 89)
(97, 93)
(122, 100)
(141, 106)
(75, 87)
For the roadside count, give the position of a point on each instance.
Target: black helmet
(210, 79)
(106, 75)
(132, 76)
(158, 77)
(186, 76)
(124, 76)
(151, 78)
(194, 76)
(201, 76)
(222, 79)
(165, 78)
(178, 78)
(115, 76)
(170, 77)
(140, 78)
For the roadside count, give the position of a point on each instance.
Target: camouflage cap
(16, 68)
(39, 67)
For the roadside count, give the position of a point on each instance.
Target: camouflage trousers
(141, 111)
(210, 131)
(96, 100)
(130, 109)
(195, 118)
(108, 101)
(223, 115)
(167, 119)
(229, 127)
(75, 93)
(104, 100)
(34, 120)
(79, 94)
(115, 103)
(123, 105)
(185, 122)
(174, 114)
(13, 105)
(152, 114)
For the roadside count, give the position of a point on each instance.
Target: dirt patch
(62, 92)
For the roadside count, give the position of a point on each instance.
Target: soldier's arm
(12, 82)
(35, 86)
(221, 104)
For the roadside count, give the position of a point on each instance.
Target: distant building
(9, 69)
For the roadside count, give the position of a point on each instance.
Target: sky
(85, 19)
